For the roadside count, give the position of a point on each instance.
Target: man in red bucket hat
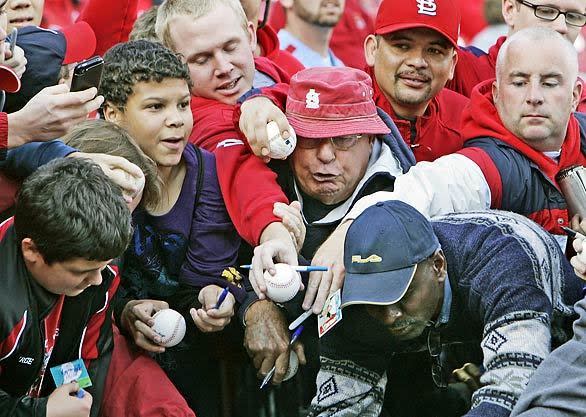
(346, 148)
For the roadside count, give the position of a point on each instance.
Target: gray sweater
(558, 387)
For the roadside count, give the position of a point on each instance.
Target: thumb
(296, 205)
(71, 387)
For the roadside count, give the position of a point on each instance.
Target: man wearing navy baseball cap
(492, 280)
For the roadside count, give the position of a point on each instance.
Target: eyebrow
(546, 75)
(208, 52)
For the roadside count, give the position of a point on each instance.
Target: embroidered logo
(232, 276)
(26, 360)
(312, 99)
(427, 7)
(374, 258)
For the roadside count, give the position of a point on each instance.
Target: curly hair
(71, 209)
(137, 61)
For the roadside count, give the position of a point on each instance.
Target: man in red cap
(411, 56)
(354, 150)
(566, 17)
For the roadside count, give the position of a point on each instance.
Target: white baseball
(170, 326)
(293, 366)
(280, 148)
(284, 285)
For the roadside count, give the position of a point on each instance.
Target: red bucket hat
(440, 15)
(326, 102)
(9, 81)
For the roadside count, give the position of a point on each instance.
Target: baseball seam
(173, 333)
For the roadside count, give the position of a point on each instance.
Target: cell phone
(13, 36)
(87, 74)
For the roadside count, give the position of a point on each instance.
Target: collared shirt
(305, 54)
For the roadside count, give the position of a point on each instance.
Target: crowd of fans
(424, 187)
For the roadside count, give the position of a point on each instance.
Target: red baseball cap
(442, 16)
(332, 101)
(81, 42)
(9, 81)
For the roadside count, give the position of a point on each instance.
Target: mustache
(425, 77)
(407, 322)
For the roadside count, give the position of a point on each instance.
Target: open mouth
(226, 87)
(173, 143)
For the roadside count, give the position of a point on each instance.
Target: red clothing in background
(271, 49)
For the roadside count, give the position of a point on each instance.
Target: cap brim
(381, 288)
(400, 26)
(9, 81)
(81, 42)
(323, 128)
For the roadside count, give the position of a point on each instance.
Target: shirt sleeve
(555, 389)
(452, 183)
(26, 159)
(3, 135)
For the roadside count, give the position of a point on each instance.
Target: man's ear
(454, 63)
(252, 36)
(370, 49)
(30, 253)
(439, 265)
(112, 113)
(509, 10)
(577, 94)
(495, 91)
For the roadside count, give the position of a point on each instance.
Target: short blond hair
(144, 26)
(196, 9)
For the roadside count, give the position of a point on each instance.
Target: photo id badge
(331, 313)
(71, 371)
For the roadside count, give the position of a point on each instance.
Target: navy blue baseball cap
(382, 249)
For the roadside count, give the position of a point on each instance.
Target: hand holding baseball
(137, 321)
(208, 318)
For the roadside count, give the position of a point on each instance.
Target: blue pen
(294, 337)
(80, 393)
(222, 297)
(309, 268)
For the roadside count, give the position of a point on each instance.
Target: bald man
(519, 132)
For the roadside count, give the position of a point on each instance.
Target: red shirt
(434, 134)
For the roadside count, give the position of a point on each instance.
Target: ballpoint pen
(309, 268)
(300, 319)
(572, 233)
(268, 377)
(222, 297)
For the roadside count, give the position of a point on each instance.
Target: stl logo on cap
(374, 258)
(427, 7)
(312, 99)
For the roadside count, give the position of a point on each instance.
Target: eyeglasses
(551, 13)
(340, 143)
(434, 346)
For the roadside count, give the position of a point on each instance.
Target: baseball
(284, 285)
(293, 366)
(280, 148)
(170, 326)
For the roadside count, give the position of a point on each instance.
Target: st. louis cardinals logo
(427, 7)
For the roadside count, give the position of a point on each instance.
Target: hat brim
(381, 288)
(81, 42)
(9, 81)
(324, 128)
(385, 30)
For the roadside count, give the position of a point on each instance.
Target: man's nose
(535, 93)
(326, 152)
(560, 25)
(223, 64)
(392, 314)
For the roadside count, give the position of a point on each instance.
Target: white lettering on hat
(427, 7)
(312, 99)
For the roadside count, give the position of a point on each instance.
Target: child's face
(158, 117)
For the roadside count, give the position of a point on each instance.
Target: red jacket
(111, 21)
(271, 49)
(434, 134)
(475, 66)
(521, 179)
(249, 187)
